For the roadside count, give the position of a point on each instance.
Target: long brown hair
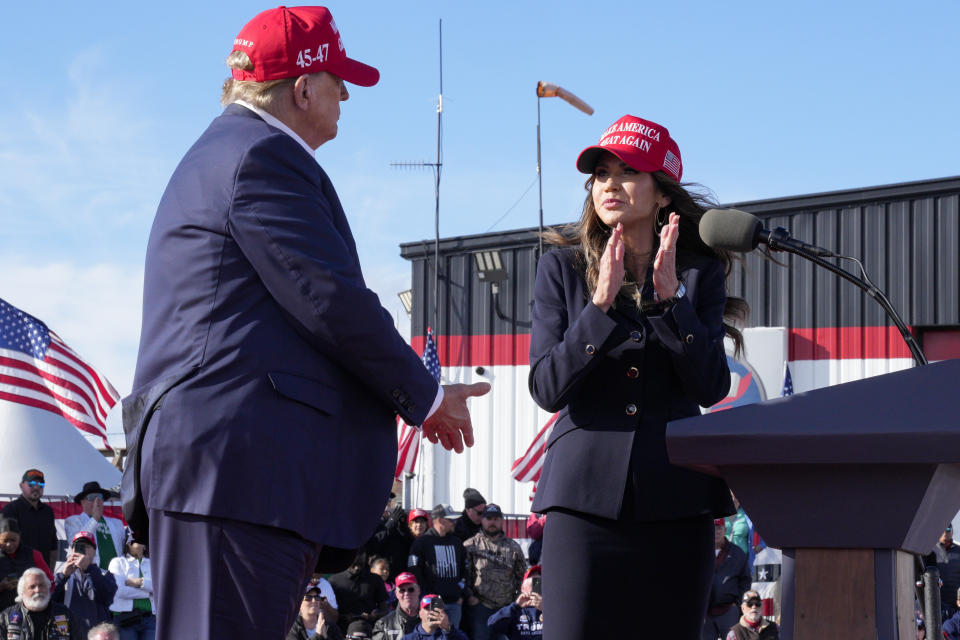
(590, 234)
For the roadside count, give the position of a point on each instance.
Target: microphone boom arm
(866, 286)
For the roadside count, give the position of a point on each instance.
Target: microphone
(733, 230)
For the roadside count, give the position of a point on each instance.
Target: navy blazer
(269, 376)
(616, 379)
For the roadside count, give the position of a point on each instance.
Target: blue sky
(765, 99)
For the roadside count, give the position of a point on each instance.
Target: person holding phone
(83, 586)
(629, 318)
(522, 619)
(434, 622)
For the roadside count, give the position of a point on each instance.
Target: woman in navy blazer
(628, 328)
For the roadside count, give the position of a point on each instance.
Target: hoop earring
(660, 221)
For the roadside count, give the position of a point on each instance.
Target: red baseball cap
(642, 144)
(427, 599)
(84, 535)
(417, 513)
(532, 570)
(287, 42)
(406, 578)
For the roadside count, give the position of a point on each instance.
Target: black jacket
(394, 625)
(391, 540)
(90, 599)
(464, 528)
(438, 563)
(360, 592)
(16, 564)
(60, 624)
(615, 379)
(37, 527)
(299, 632)
(731, 576)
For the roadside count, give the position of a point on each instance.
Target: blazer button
(689, 338)
(590, 349)
(631, 409)
(633, 372)
(635, 336)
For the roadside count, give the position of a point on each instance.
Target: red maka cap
(426, 600)
(417, 513)
(84, 535)
(642, 144)
(287, 42)
(535, 569)
(406, 578)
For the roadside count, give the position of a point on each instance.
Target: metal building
(907, 236)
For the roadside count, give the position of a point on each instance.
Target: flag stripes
(408, 437)
(527, 468)
(39, 370)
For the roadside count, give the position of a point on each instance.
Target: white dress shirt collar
(273, 121)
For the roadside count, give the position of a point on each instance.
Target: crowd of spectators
(102, 590)
(423, 574)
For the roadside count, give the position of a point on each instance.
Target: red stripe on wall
(830, 343)
(479, 351)
(846, 343)
(942, 344)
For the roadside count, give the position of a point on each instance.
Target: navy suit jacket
(269, 376)
(616, 379)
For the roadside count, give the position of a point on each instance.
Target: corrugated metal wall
(907, 236)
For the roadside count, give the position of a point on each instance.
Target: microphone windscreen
(730, 229)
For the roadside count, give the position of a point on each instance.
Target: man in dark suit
(260, 431)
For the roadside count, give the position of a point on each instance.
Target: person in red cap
(263, 353)
(85, 588)
(434, 622)
(405, 617)
(419, 521)
(629, 318)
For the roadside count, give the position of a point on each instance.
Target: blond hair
(260, 94)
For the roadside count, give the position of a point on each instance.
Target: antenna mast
(436, 166)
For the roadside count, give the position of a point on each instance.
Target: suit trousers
(217, 578)
(599, 574)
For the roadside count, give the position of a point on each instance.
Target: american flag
(408, 438)
(672, 164)
(787, 382)
(39, 370)
(527, 468)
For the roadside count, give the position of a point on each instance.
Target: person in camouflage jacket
(495, 568)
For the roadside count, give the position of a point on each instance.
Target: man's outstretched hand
(450, 424)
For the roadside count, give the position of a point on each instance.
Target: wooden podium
(849, 481)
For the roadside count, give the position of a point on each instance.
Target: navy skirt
(625, 579)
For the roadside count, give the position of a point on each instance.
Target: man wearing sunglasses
(108, 532)
(473, 505)
(752, 625)
(404, 619)
(315, 619)
(37, 529)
